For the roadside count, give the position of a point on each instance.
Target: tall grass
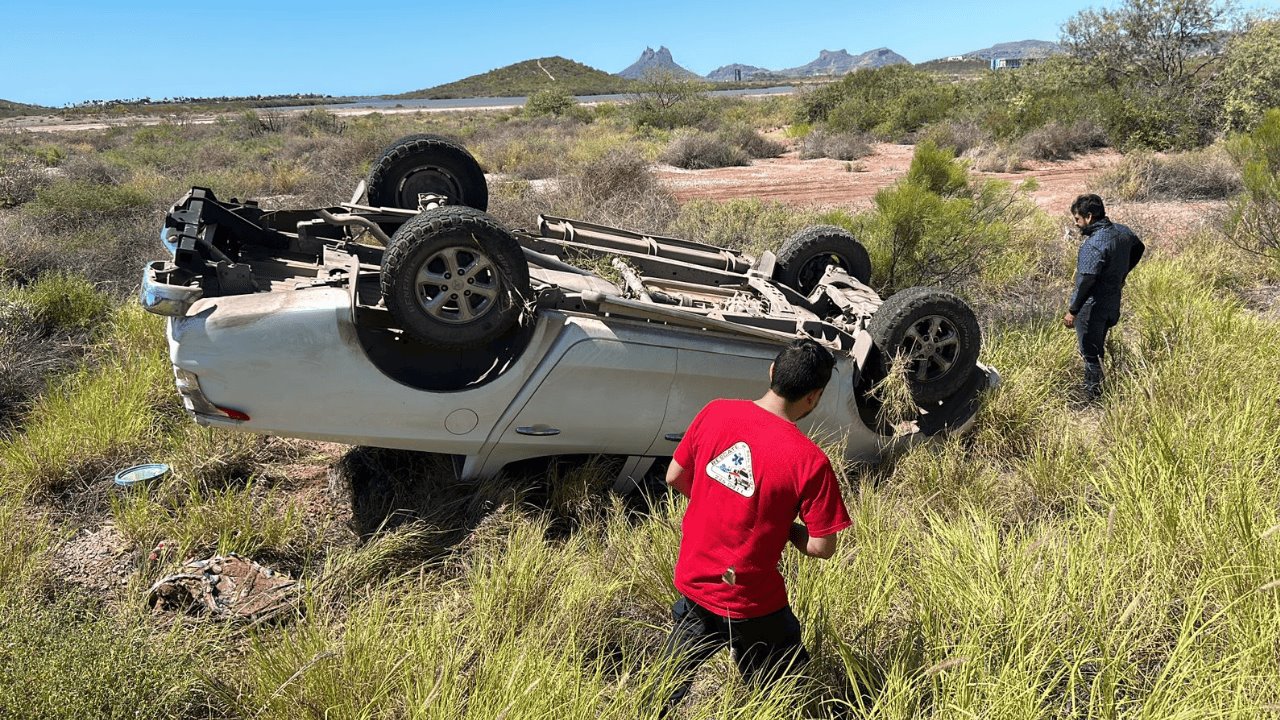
(1058, 562)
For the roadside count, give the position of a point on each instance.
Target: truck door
(603, 396)
(704, 376)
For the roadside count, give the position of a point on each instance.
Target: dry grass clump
(961, 136)
(1207, 174)
(752, 142)
(20, 179)
(617, 188)
(699, 150)
(835, 145)
(1061, 141)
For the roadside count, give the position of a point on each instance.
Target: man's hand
(678, 478)
(1069, 320)
(822, 548)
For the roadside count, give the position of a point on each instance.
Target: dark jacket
(1106, 256)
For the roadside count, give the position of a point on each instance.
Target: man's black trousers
(765, 647)
(1092, 323)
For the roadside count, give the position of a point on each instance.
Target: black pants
(1092, 323)
(765, 647)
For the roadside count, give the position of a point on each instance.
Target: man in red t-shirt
(748, 471)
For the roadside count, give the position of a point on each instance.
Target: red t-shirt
(752, 474)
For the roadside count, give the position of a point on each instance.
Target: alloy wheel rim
(457, 285)
(932, 345)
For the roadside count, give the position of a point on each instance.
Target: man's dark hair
(800, 368)
(1089, 206)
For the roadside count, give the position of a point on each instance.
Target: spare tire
(426, 164)
(805, 256)
(454, 278)
(939, 334)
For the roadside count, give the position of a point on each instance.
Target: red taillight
(233, 414)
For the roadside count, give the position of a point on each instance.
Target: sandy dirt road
(824, 183)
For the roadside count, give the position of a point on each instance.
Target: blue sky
(55, 52)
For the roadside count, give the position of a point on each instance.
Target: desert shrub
(959, 135)
(552, 100)
(1008, 105)
(616, 187)
(21, 180)
(751, 141)
(837, 146)
(317, 121)
(751, 225)
(1000, 157)
(665, 102)
(1207, 174)
(889, 102)
(1255, 215)
(1158, 120)
(49, 155)
(697, 150)
(1060, 141)
(94, 169)
(935, 227)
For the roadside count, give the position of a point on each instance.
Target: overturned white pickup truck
(414, 320)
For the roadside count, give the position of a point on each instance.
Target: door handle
(674, 437)
(538, 430)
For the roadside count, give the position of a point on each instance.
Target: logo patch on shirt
(732, 469)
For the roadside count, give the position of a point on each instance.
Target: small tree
(1250, 77)
(1154, 56)
(662, 100)
(1150, 44)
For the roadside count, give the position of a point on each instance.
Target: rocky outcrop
(840, 62)
(656, 62)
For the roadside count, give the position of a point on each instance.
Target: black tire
(804, 257)
(426, 164)
(938, 331)
(448, 309)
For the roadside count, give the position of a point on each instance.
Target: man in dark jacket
(1106, 256)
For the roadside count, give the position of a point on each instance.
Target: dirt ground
(825, 184)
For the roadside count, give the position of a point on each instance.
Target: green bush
(664, 102)
(935, 227)
(1250, 76)
(1010, 104)
(889, 102)
(1255, 217)
(552, 100)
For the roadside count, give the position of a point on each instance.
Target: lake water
(484, 102)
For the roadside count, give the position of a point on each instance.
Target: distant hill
(839, 62)
(729, 73)
(1020, 49)
(8, 108)
(656, 61)
(526, 78)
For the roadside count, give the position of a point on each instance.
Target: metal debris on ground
(226, 587)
